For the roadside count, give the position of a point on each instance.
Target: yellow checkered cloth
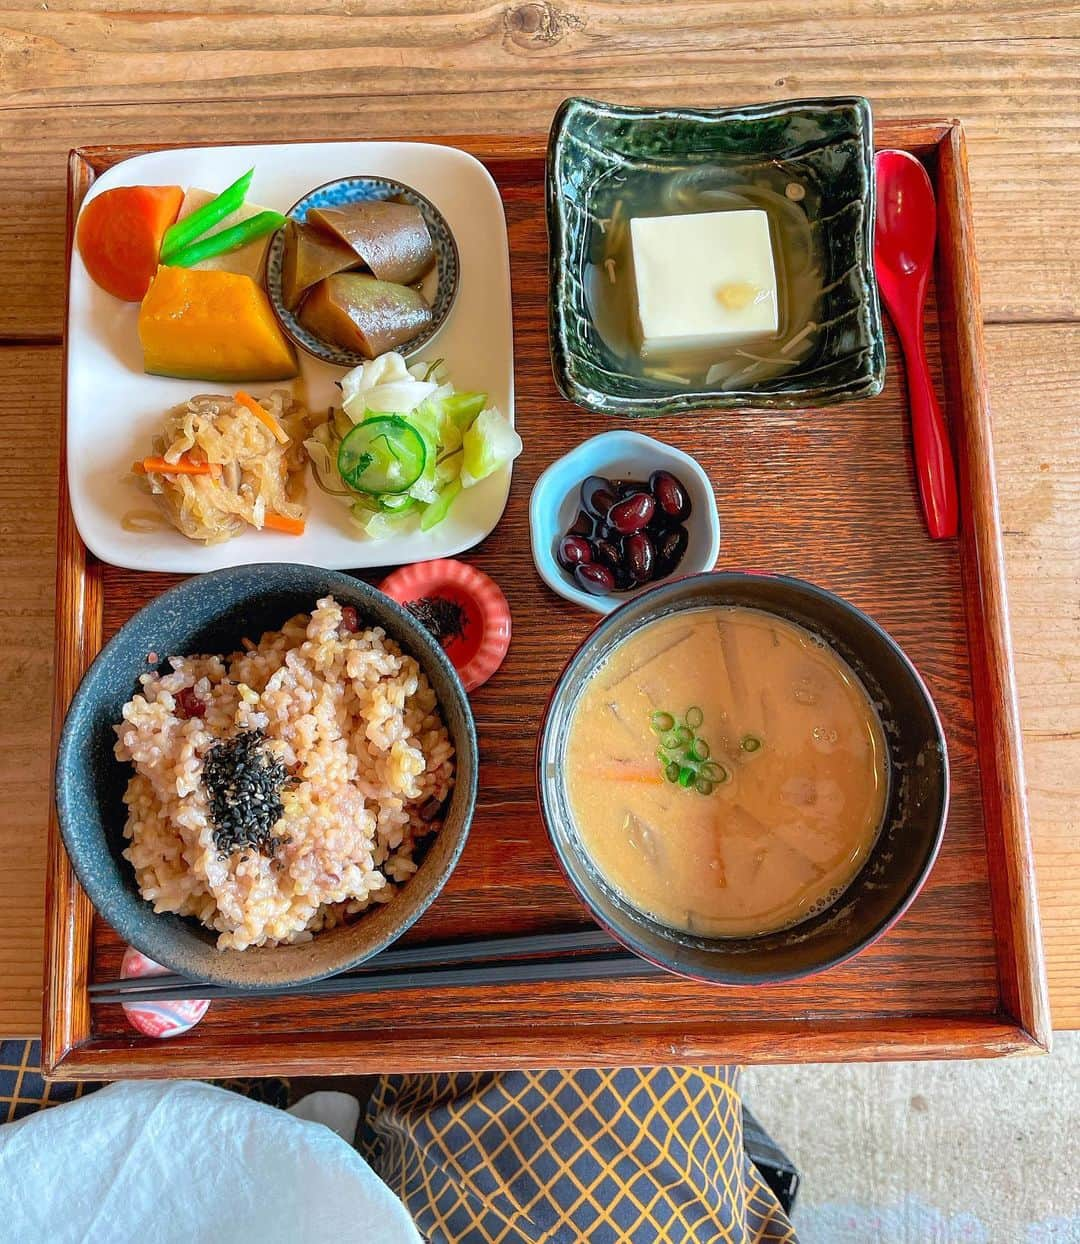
(644, 1155)
(23, 1089)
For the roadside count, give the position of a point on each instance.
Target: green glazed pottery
(827, 144)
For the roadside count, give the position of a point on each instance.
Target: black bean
(572, 550)
(638, 556)
(598, 580)
(670, 549)
(582, 525)
(597, 496)
(670, 495)
(607, 552)
(632, 514)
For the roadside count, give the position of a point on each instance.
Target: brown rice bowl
(356, 723)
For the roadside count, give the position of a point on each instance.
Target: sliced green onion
(698, 750)
(662, 722)
(703, 786)
(670, 741)
(750, 743)
(227, 240)
(672, 771)
(185, 231)
(686, 776)
(714, 772)
(683, 736)
(694, 717)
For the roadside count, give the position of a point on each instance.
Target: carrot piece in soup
(119, 236)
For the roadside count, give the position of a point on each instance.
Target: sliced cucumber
(382, 455)
(397, 502)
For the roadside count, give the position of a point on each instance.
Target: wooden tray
(827, 495)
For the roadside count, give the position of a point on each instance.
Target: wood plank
(1034, 378)
(1021, 123)
(146, 53)
(29, 428)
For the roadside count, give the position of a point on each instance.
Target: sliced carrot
(184, 466)
(281, 522)
(119, 236)
(263, 415)
(647, 777)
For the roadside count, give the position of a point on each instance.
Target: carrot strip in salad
(282, 522)
(183, 466)
(263, 415)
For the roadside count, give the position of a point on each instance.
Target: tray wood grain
(827, 495)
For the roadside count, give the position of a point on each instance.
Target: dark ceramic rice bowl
(211, 613)
(915, 816)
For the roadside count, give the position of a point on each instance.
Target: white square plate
(114, 408)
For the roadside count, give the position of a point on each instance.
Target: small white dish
(114, 408)
(619, 454)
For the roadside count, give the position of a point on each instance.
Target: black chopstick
(534, 945)
(582, 967)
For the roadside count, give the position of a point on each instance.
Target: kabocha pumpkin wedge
(212, 326)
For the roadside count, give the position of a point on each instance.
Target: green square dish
(826, 143)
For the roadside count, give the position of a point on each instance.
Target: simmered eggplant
(309, 255)
(357, 312)
(391, 238)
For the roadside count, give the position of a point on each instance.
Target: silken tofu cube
(706, 279)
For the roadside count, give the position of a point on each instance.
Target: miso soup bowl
(915, 814)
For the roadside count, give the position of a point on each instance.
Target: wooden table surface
(77, 72)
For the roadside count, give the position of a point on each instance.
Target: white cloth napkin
(187, 1162)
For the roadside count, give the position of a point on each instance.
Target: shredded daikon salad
(404, 444)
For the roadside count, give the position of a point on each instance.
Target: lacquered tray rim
(70, 1050)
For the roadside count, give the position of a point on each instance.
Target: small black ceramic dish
(807, 163)
(915, 813)
(439, 287)
(212, 613)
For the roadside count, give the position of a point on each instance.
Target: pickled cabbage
(466, 441)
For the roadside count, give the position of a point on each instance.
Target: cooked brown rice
(356, 723)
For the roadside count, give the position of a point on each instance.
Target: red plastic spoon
(904, 230)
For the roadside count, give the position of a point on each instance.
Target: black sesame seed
(244, 781)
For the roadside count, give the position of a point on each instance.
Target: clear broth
(791, 205)
(794, 730)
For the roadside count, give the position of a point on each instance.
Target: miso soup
(726, 771)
